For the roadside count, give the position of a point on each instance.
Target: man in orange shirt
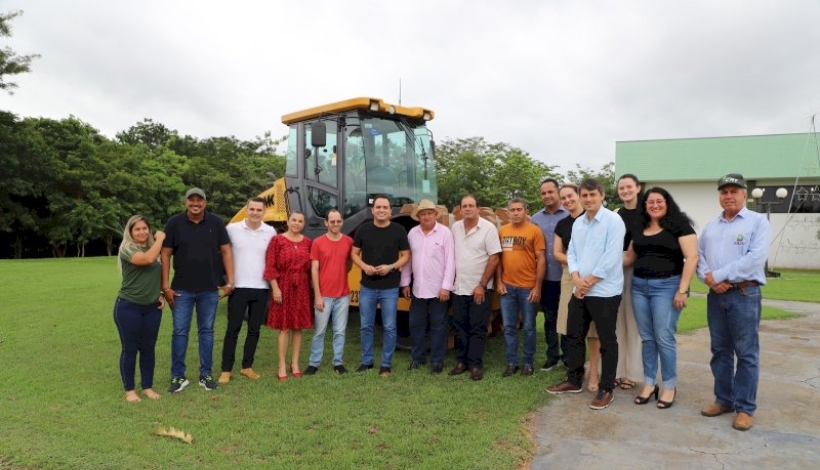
(519, 277)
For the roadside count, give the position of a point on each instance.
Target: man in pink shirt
(432, 267)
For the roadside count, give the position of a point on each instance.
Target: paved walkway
(786, 433)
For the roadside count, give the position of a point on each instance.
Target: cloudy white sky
(562, 80)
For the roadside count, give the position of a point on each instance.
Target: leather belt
(743, 284)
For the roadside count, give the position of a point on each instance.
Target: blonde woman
(138, 309)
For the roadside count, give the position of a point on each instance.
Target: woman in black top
(563, 234)
(626, 328)
(664, 255)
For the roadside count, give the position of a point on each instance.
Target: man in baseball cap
(195, 192)
(735, 179)
(732, 252)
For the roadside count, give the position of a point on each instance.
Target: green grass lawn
(62, 405)
(791, 285)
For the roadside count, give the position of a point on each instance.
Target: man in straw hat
(432, 268)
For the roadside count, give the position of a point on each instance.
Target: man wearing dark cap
(733, 249)
(199, 244)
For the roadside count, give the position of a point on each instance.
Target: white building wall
(795, 237)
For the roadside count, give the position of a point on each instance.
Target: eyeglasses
(656, 202)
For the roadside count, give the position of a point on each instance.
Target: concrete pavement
(786, 432)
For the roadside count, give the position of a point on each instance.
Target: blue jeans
(436, 311)
(389, 301)
(336, 308)
(657, 318)
(734, 321)
(205, 303)
(138, 326)
(514, 301)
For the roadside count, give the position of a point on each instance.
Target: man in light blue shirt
(733, 249)
(595, 259)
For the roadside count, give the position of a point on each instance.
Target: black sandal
(663, 405)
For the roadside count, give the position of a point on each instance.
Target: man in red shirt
(330, 262)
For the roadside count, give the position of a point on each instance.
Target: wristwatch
(683, 291)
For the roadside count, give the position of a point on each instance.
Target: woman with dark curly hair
(665, 256)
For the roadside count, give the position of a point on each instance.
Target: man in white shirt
(477, 249)
(249, 242)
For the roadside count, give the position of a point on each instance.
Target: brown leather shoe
(602, 400)
(715, 409)
(511, 370)
(743, 421)
(249, 373)
(459, 369)
(564, 387)
(476, 373)
(526, 371)
(224, 377)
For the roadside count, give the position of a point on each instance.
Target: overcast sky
(562, 80)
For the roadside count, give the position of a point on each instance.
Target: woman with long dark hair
(664, 254)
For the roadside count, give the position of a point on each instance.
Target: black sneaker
(364, 367)
(340, 369)
(178, 384)
(384, 372)
(437, 369)
(414, 365)
(549, 365)
(311, 370)
(207, 382)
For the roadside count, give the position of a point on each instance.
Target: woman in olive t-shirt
(138, 309)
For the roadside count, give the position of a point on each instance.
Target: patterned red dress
(289, 263)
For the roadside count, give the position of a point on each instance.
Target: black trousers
(550, 296)
(604, 312)
(254, 302)
(471, 320)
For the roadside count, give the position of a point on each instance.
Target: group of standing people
(612, 283)
(642, 285)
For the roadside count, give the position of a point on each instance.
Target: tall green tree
(68, 147)
(150, 133)
(11, 63)
(25, 168)
(605, 174)
(493, 172)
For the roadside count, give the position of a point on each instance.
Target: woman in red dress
(287, 267)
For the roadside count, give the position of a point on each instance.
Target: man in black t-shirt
(380, 249)
(199, 244)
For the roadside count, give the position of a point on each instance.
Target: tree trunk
(18, 247)
(58, 250)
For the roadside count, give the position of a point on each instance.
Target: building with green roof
(689, 170)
